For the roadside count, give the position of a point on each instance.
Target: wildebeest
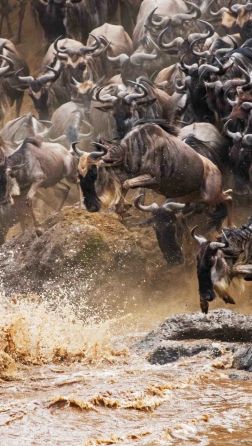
(50, 14)
(155, 158)
(81, 16)
(167, 227)
(10, 86)
(33, 165)
(216, 267)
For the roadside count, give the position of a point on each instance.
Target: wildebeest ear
(104, 108)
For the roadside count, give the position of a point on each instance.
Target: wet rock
(171, 352)
(220, 325)
(243, 358)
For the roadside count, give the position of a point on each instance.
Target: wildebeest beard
(87, 184)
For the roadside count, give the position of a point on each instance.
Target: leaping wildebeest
(34, 164)
(154, 157)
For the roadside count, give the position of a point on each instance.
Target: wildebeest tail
(165, 125)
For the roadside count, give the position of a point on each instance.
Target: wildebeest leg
(222, 293)
(204, 305)
(19, 101)
(29, 199)
(65, 191)
(140, 181)
(21, 14)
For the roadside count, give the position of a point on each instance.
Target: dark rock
(243, 358)
(171, 352)
(220, 325)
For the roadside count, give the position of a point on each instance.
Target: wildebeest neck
(87, 184)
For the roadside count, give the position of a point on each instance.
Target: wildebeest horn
(137, 58)
(225, 238)
(7, 68)
(3, 43)
(151, 208)
(105, 98)
(75, 149)
(237, 136)
(26, 79)
(216, 245)
(195, 13)
(246, 106)
(220, 11)
(130, 97)
(55, 44)
(237, 8)
(196, 37)
(100, 146)
(207, 68)
(122, 58)
(16, 150)
(231, 102)
(150, 22)
(95, 46)
(247, 139)
(75, 82)
(198, 238)
(173, 206)
(178, 41)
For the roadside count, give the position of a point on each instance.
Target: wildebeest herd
(149, 94)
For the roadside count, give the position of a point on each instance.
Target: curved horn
(75, 149)
(5, 69)
(26, 79)
(195, 13)
(55, 44)
(100, 146)
(173, 206)
(247, 106)
(95, 46)
(151, 208)
(198, 238)
(105, 98)
(17, 149)
(236, 137)
(247, 139)
(151, 23)
(130, 97)
(217, 245)
(122, 58)
(137, 58)
(178, 41)
(220, 11)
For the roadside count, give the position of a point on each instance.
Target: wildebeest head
(88, 166)
(237, 17)
(211, 269)
(168, 228)
(39, 88)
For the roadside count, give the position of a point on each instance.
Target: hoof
(204, 305)
(229, 300)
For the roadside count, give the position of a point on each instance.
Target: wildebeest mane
(166, 126)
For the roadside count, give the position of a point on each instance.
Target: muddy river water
(68, 382)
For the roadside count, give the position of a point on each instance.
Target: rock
(220, 325)
(90, 255)
(243, 358)
(172, 351)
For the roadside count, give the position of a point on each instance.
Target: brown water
(66, 382)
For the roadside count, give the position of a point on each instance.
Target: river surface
(69, 382)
